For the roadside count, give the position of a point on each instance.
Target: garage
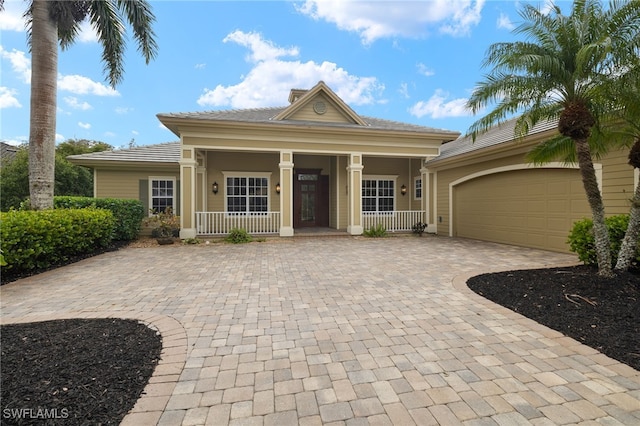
(530, 207)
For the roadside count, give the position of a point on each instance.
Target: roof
(159, 153)
(497, 135)
(267, 115)
(7, 152)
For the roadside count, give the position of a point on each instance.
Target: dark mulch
(74, 371)
(601, 313)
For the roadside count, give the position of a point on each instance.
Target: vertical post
(354, 171)
(188, 165)
(286, 193)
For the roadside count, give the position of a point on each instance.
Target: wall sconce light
(403, 190)
(214, 187)
(278, 188)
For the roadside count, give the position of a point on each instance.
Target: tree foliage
(70, 179)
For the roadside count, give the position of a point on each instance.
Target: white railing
(221, 223)
(395, 221)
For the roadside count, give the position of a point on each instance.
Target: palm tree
(50, 22)
(564, 72)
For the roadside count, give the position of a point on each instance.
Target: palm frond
(110, 29)
(141, 19)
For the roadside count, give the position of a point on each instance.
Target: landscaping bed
(601, 313)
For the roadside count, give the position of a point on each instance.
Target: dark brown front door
(310, 199)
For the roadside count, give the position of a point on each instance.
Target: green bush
(38, 239)
(582, 241)
(238, 236)
(375, 232)
(127, 213)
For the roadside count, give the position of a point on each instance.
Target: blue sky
(413, 61)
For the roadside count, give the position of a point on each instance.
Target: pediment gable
(319, 104)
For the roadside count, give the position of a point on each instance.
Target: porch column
(354, 172)
(428, 199)
(188, 166)
(286, 193)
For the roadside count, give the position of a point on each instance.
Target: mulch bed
(74, 371)
(601, 313)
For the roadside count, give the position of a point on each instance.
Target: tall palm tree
(563, 71)
(50, 22)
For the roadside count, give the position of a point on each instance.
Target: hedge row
(38, 239)
(128, 214)
(582, 241)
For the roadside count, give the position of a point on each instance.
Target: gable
(319, 104)
(320, 108)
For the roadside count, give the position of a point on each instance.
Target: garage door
(531, 208)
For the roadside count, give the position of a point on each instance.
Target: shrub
(375, 232)
(164, 224)
(39, 239)
(127, 213)
(582, 241)
(238, 236)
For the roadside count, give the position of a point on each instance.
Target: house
(317, 163)
(7, 153)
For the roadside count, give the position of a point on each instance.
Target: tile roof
(266, 115)
(7, 152)
(159, 153)
(503, 133)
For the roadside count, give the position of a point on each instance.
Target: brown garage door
(531, 208)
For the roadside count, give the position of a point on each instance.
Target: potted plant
(165, 226)
(419, 228)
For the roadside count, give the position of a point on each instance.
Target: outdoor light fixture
(214, 187)
(278, 188)
(403, 189)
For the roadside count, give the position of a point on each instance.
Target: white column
(188, 165)
(354, 171)
(286, 193)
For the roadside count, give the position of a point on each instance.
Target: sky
(410, 61)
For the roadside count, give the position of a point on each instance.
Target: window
(417, 185)
(162, 194)
(247, 194)
(378, 195)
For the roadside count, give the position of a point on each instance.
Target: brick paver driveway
(337, 331)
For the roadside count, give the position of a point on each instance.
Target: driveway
(337, 330)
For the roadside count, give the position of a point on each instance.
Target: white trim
(636, 179)
(415, 185)
(377, 178)
(226, 174)
(150, 191)
(510, 168)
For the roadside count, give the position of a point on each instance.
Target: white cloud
(74, 103)
(404, 90)
(17, 141)
(123, 110)
(11, 17)
(425, 70)
(135, 132)
(8, 98)
(200, 66)
(60, 138)
(19, 63)
(373, 20)
(109, 134)
(81, 85)
(87, 34)
(439, 107)
(84, 125)
(271, 78)
(505, 22)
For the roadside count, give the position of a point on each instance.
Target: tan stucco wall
(218, 162)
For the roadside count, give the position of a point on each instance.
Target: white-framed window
(378, 193)
(246, 193)
(162, 194)
(417, 188)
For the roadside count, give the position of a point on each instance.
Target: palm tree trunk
(630, 241)
(42, 131)
(594, 197)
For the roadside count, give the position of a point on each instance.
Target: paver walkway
(342, 331)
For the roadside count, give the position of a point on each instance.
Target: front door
(310, 198)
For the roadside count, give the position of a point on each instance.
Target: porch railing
(221, 223)
(394, 221)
